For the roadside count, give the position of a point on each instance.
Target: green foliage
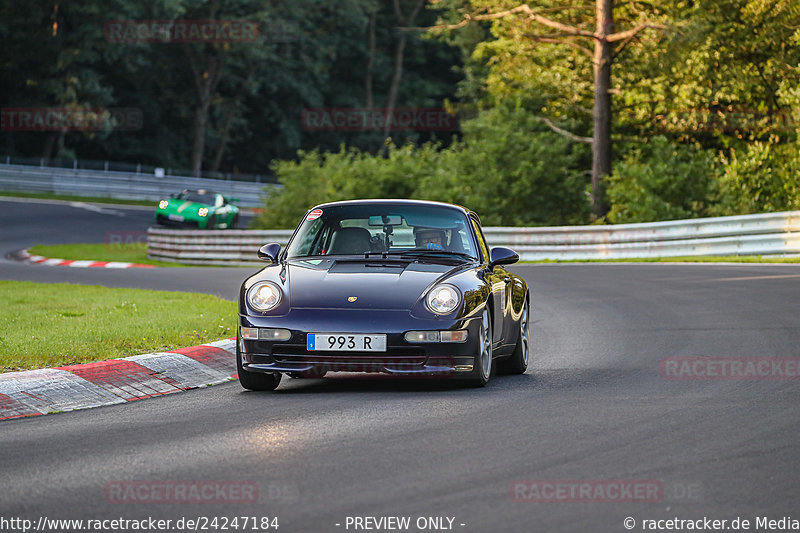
(310, 53)
(512, 170)
(661, 181)
(763, 177)
(348, 174)
(509, 168)
(719, 76)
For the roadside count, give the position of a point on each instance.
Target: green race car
(201, 208)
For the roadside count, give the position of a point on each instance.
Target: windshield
(208, 198)
(383, 229)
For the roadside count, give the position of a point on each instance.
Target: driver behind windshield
(429, 238)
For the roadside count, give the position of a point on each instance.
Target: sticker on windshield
(314, 215)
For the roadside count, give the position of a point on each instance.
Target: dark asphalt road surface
(592, 407)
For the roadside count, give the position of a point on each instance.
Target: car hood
(375, 284)
(183, 206)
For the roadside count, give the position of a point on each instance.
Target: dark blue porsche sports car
(399, 287)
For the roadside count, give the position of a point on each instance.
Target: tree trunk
(399, 54)
(601, 145)
(370, 60)
(224, 134)
(205, 82)
(199, 137)
(397, 75)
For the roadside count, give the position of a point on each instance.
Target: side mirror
(269, 252)
(502, 256)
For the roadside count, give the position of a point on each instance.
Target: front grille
(398, 358)
(391, 351)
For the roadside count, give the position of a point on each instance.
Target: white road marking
(745, 278)
(97, 209)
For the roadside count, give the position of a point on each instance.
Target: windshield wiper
(426, 251)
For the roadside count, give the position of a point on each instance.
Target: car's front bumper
(164, 220)
(400, 358)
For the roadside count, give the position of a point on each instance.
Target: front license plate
(178, 218)
(345, 342)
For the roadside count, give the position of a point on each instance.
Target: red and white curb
(115, 381)
(24, 255)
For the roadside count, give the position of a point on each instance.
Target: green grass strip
(135, 252)
(70, 198)
(54, 324)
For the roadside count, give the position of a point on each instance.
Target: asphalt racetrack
(595, 410)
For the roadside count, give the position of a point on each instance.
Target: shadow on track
(539, 382)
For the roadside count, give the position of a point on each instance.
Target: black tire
(234, 222)
(211, 221)
(484, 364)
(518, 362)
(256, 380)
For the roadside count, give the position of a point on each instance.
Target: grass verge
(685, 259)
(54, 324)
(124, 253)
(69, 198)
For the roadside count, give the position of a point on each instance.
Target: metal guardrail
(211, 247)
(138, 168)
(121, 185)
(764, 234)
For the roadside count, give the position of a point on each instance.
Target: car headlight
(264, 296)
(203, 211)
(163, 204)
(443, 299)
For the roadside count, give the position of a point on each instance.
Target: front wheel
(484, 365)
(256, 380)
(518, 362)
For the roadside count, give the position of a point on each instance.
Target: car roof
(393, 201)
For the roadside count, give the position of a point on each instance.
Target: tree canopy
(704, 100)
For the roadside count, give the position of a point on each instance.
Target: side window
(322, 241)
(307, 245)
(481, 241)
